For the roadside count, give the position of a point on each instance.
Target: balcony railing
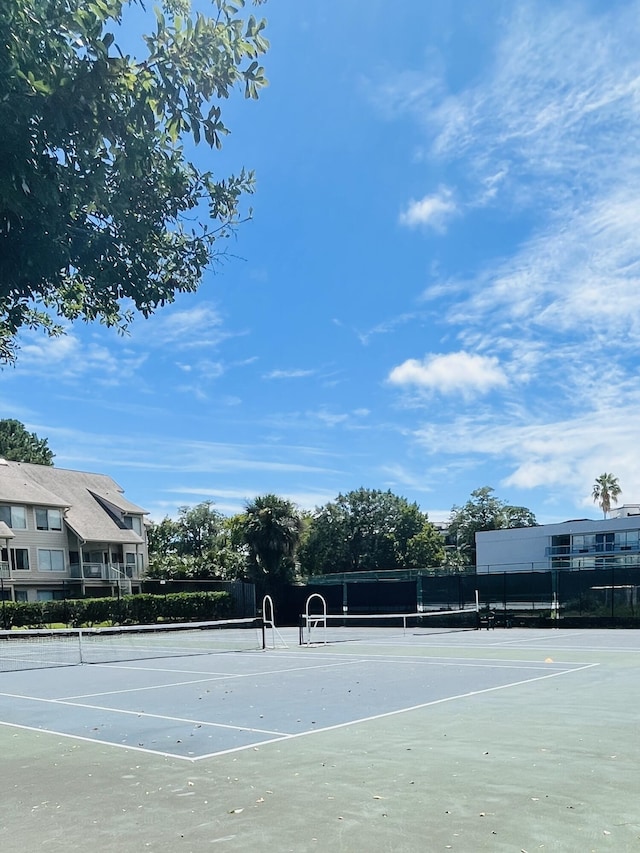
(598, 548)
(105, 571)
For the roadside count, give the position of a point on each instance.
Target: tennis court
(397, 741)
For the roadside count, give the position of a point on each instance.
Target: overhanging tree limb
(96, 192)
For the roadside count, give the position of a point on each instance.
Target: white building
(576, 544)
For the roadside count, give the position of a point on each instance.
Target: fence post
(613, 592)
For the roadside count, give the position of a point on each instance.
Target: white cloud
(431, 210)
(550, 128)
(205, 368)
(561, 455)
(330, 419)
(389, 326)
(69, 358)
(75, 448)
(454, 373)
(573, 282)
(201, 325)
(288, 374)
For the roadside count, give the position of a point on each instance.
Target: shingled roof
(92, 502)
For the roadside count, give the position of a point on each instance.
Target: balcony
(113, 572)
(598, 548)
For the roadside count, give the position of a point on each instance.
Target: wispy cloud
(331, 419)
(321, 419)
(75, 448)
(205, 368)
(454, 373)
(545, 137)
(390, 325)
(560, 80)
(69, 358)
(295, 373)
(559, 455)
(201, 325)
(433, 211)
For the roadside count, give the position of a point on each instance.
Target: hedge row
(127, 610)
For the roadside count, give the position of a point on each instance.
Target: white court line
(214, 674)
(518, 663)
(548, 646)
(397, 711)
(285, 737)
(146, 714)
(97, 742)
(204, 680)
(446, 662)
(537, 639)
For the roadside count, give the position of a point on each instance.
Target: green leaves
(19, 445)
(369, 529)
(95, 185)
(484, 511)
(606, 491)
(271, 528)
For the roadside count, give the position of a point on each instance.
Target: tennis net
(320, 628)
(42, 648)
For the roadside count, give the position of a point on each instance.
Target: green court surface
(502, 740)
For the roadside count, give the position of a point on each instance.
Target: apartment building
(569, 545)
(65, 533)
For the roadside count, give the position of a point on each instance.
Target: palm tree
(605, 491)
(272, 528)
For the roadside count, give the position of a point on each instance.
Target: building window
(48, 519)
(50, 560)
(21, 595)
(130, 564)
(49, 595)
(14, 516)
(626, 540)
(18, 558)
(133, 522)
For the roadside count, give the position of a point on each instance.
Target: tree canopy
(17, 444)
(271, 528)
(369, 529)
(258, 544)
(606, 490)
(484, 511)
(99, 204)
(195, 545)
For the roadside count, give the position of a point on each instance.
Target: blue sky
(438, 290)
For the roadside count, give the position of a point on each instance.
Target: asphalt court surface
(198, 707)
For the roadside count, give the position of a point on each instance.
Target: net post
(80, 645)
(322, 617)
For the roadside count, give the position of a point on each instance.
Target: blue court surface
(197, 707)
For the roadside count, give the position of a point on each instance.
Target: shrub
(130, 609)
